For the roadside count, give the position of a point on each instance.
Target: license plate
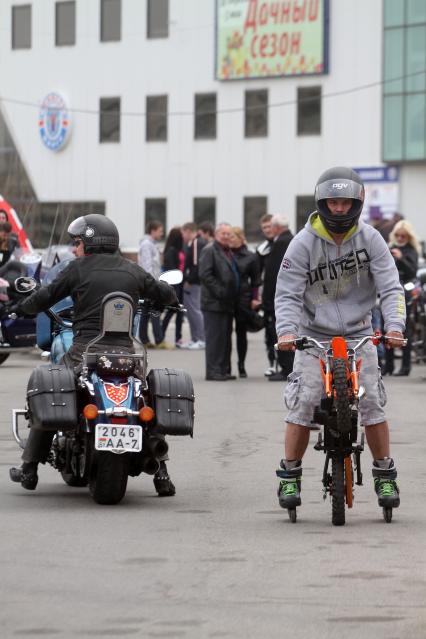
(118, 438)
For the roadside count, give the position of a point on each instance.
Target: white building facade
(112, 61)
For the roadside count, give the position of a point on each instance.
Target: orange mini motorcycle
(338, 413)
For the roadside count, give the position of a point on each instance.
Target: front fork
(355, 450)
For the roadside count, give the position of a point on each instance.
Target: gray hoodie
(325, 290)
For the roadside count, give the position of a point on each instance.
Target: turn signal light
(90, 411)
(146, 414)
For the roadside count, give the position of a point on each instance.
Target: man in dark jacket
(219, 287)
(282, 238)
(98, 270)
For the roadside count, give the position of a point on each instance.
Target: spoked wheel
(343, 408)
(3, 357)
(338, 493)
(387, 515)
(292, 515)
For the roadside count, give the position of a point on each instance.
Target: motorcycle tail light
(90, 411)
(146, 414)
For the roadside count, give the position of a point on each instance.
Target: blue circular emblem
(54, 122)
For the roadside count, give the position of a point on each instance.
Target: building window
(110, 20)
(158, 19)
(65, 24)
(404, 81)
(156, 209)
(205, 116)
(156, 118)
(256, 114)
(254, 208)
(109, 123)
(305, 205)
(205, 210)
(21, 27)
(309, 111)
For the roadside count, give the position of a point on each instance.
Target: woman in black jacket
(174, 258)
(405, 249)
(248, 298)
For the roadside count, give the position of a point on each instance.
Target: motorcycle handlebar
(304, 342)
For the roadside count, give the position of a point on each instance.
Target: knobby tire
(338, 491)
(343, 408)
(349, 482)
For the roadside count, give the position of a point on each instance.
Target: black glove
(15, 309)
(7, 308)
(168, 295)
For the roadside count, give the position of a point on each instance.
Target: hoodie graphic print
(324, 289)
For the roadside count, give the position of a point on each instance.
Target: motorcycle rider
(327, 286)
(98, 270)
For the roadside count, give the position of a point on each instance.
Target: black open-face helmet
(339, 182)
(98, 233)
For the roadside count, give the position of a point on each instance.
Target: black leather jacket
(88, 279)
(272, 266)
(248, 267)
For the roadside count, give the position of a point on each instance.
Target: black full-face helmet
(339, 182)
(98, 233)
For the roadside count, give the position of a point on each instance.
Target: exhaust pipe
(157, 447)
(150, 465)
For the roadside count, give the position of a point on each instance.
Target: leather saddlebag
(52, 398)
(172, 395)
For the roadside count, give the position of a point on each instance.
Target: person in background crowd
(264, 248)
(7, 243)
(248, 300)
(206, 231)
(191, 286)
(174, 258)
(405, 250)
(385, 226)
(149, 259)
(283, 361)
(219, 279)
(262, 251)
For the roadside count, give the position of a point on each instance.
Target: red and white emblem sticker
(117, 394)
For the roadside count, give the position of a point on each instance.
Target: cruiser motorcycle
(111, 416)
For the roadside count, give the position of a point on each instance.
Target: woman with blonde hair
(405, 248)
(247, 300)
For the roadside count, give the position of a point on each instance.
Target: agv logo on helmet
(340, 185)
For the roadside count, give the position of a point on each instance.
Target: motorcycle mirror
(172, 277)
(409, 286)
(25, 284)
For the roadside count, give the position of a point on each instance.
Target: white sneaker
(269, 371)
(187, 344)
(196, 346)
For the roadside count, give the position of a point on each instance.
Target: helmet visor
(339, 188)
(77, 227)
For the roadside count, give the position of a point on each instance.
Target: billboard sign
(381, 191)
(267, 38)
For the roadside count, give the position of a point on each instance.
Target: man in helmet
(327, 286)
(98, 270)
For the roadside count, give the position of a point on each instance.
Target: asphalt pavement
(220, 559)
